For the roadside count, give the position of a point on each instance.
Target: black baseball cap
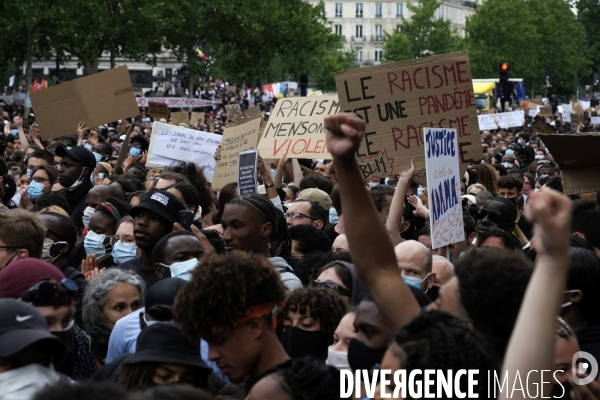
(165, 342)
(21, 325)
(78, 153)
(165, 204)
(163, 292)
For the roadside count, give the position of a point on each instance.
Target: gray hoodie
(23, 383)
(289, 279)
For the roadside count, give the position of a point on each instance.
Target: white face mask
(76, 184)
(183, 269)
(87, 216)
(568, 303)
(539, 157)
(338, 359)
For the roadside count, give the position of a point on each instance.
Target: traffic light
(503, 72)
(506, 87)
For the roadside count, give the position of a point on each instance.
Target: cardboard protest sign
(171, 144)
(233, 112)
(158, 110)
(96, 99)
(235, 140)
(247, 161)
(307, 171)
(253, 111)
(577, 158)
(577, 108)
(504, 120)
(197, 119)
(180, 117)
(232, 89)
(533, 103)
(541, 126)
(532, 112)
(595, 120)
(296, 127)
(575, 119)
(397, 100)
(546, 111)
(443, 183)
(567, 110)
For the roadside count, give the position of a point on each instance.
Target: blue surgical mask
(420, 191)
(333, 216)
(34, 190)
(69, 147)
(122, 252)
(15, 132)
(94, 244)
(183, 269)
(29, 172)
(87, 216)
(372, 185)
(414, 281)
(88, 146)
(134, 152)
(98, 156)
(509, 152)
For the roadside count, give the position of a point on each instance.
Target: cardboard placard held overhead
(253, 111)
(398, 100)
(180, 117)
(577, 158)
(170, 144)
(296, 127)
(233, 112)
(577, 108)
(96, 99)
(235, 140)
(307, 171)
(247, 161)
(443, 182)
(541, 126)
(502, 120)
(158, 110)
(567, 110)
(546, 111)
(232, 89)
(197, 119)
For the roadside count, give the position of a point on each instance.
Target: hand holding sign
(344, 133)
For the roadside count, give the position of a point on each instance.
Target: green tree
(426, 34)
(588, 13)
(396, 47)
(322, 77)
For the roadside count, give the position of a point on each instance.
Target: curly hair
(239, 280)
(189, 193)
(487, 177)
(508, 182)
(325, 305)
(438, 340)
(195, 176)
(95, 298)
(316, 181)
(305, 379)
(491, 285)
(309, 238)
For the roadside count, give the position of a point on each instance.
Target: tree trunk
(57, 70)
(190, 54)
(29, 61)
(112, 55)
(90, 67)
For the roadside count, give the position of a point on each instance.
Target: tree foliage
(396, 47)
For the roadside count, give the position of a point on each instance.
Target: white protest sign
(532, 112)
(172, 144)
(443, 183)
(595, 120)
(505, 120)
(585, 104)
(567, 110)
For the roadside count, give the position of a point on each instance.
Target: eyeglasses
(332, 285)
(48, 289)
(38, 179)
(495, 216)
(297, 216)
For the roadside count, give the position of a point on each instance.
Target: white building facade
(362, 23)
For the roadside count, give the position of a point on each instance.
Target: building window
(338, 10)
(378, 10)
(378, 54)
(359, 31)
(399, 9)
(359, 10)
(378, 32)
(359, 54)
(338, 30)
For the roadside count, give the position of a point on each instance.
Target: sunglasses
(495, 216)
(334, 286)
(45, 290)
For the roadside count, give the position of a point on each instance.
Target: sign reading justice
(398, 100)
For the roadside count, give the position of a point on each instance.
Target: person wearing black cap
(164, 355)
(153, 219)
(27, 350)
(74, 173)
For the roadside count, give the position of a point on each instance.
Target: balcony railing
(359, 39)
(376, 38)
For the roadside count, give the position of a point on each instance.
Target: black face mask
(66, 337)
(361, 356)
(433, 293)
(300, 343)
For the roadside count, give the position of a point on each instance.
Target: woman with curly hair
(111, 295)
(487, 177)
(307, 321)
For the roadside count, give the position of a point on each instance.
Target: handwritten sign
(532, 112)
(233, 112)
(180, 117)
(253, 111)
(296, 127)
(247, 161)
(158, 110)
(443, 181)
(567, 110)
(307, 171)
(398, 100)
(197, 119)
(595, 120)
(171, 144)
(236, 139)
(505, 120)
(575, 119)
(175, 102)
(546, 111)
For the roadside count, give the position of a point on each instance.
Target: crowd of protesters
(104, 294)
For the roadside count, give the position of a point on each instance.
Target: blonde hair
(476, 185)
(54, 209)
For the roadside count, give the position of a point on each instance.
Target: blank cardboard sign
(398, 100)
(96, 99)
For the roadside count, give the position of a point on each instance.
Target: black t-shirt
(135, 265)
(524, 226)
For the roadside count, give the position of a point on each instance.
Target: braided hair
(438, 340)
(223, 290)
(259, 203)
